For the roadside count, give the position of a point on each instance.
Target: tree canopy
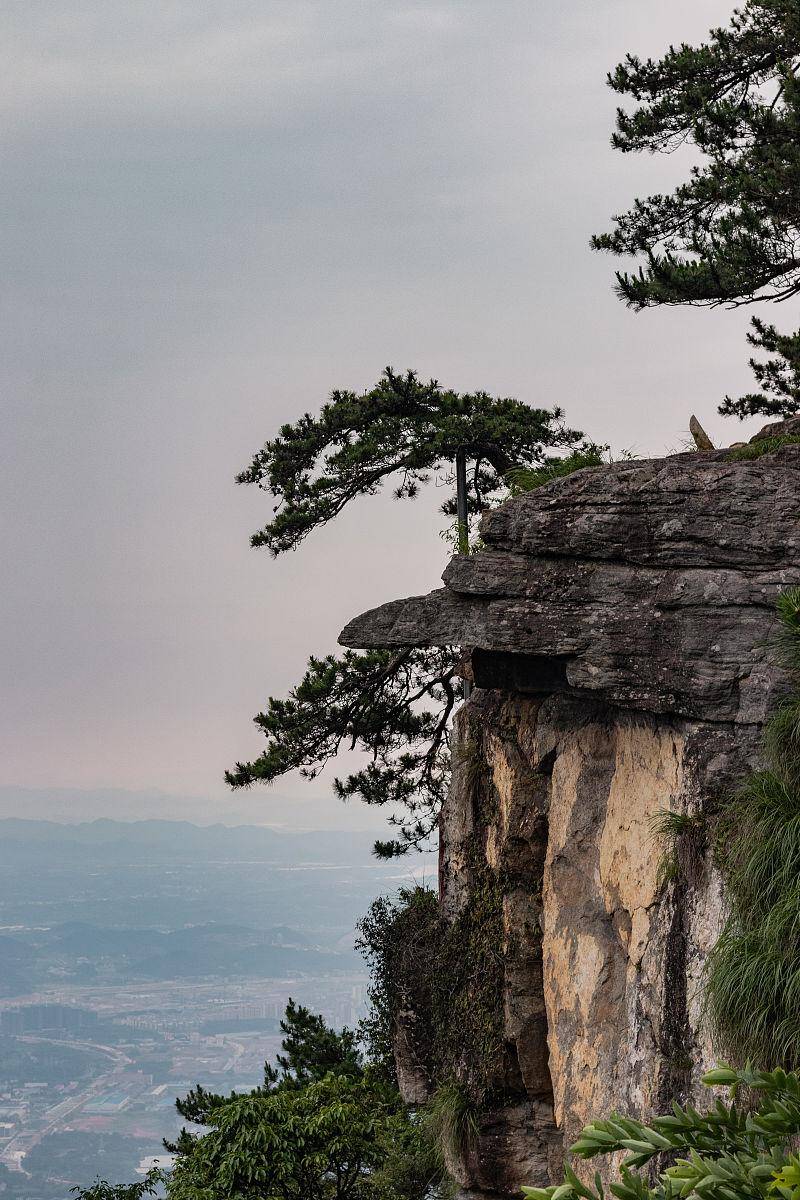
(322, 1140)
(325, 1125)
(311, 1050)
(400, 427)
(101, 1190)
(395, 707)
(728, 234)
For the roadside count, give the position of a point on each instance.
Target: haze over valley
(140, 958)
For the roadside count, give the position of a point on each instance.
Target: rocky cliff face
(619, 623)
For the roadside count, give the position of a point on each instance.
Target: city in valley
(140, 959)
(105, 1064)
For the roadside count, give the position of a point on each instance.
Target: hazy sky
(213, 212)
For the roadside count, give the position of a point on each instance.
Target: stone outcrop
(618, 623)
(647, 584)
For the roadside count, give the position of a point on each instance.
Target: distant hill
(84, 952)
(257, 806)
(115, 901)
(125, 841)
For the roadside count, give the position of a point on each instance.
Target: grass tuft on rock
(453, 1119)
(763, 446)
(528, 479)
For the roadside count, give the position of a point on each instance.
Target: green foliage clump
(728, 233)
(452, 1116)
(753, 980)
(448, 974)
(527, 479)
(685, 836)
(412, 1167)
(762, 446)
(324, 1125)
(727, 1153)
(394, 706)
(149, 1186)
(402, 427)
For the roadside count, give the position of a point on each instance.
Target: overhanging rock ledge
(651, 585)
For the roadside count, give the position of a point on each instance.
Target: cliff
(618, 624)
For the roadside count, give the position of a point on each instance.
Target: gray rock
(653, 584)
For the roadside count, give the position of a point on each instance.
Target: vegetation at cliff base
(326, 1123)
(730, 1152)
(728, 234)
(399, 939)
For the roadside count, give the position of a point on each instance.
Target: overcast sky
(215, 211)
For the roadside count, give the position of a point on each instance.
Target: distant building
(41, 1018)
(14, 1112)
(107, 1104)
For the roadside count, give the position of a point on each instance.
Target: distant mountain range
(256, 806)
(119, 901)
(171, 841)
(84, 953)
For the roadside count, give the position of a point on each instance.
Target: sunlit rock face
(619, 622)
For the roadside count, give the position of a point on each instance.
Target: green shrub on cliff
(452, 1116)
(447, 975)
(731, 1152)
(753, 979)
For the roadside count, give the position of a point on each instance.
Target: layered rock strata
(619, 624)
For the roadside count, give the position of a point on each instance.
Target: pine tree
(401, 427)
(311, 1050)
(730, 233)
(393, 706)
